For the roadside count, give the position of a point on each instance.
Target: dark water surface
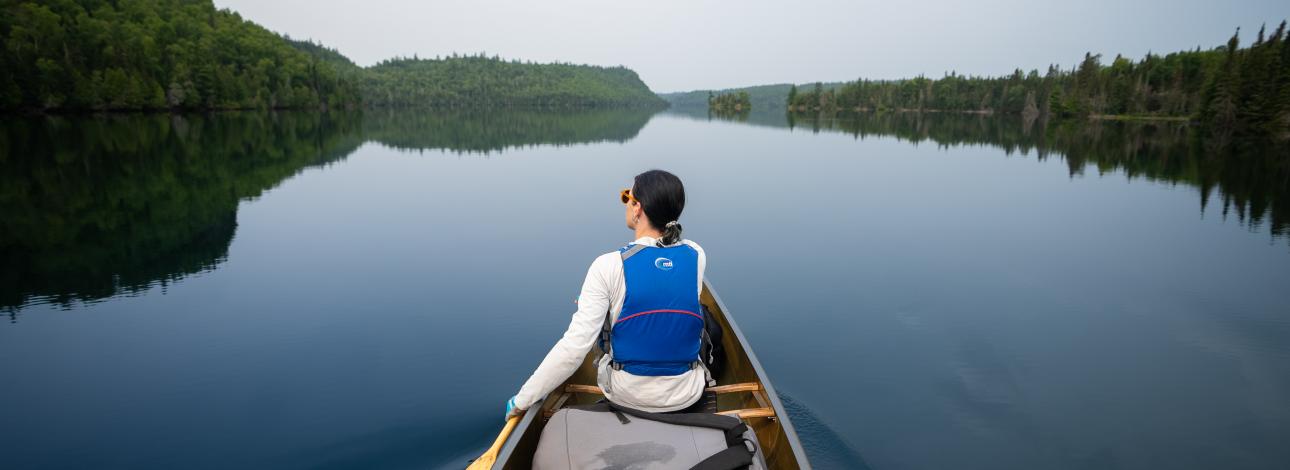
(364, 291)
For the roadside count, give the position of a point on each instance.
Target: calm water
(333, 291)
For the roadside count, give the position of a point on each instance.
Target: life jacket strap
(606, 329)
(615, 365)
(631, 251)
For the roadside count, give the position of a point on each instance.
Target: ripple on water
(823, 445)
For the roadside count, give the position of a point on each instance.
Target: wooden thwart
(750, 413)
(732, 388)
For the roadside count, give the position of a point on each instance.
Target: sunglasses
(626, 195)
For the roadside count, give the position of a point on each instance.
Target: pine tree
(1088, 91)
(1219, 112)
(1253, 79)
(1281, 124)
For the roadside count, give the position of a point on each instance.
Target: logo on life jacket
(663, 263)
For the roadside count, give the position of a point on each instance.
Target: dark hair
(663, 198)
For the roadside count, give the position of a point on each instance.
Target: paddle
(485, 462)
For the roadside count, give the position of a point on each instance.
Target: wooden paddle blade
(486, 461)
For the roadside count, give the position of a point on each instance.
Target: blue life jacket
(660, 328)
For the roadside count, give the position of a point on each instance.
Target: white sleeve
(568, 353)
(703, 261)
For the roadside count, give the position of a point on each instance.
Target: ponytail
(671, 233)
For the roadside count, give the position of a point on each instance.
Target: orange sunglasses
(626, 195)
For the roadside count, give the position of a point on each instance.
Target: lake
(304, 290)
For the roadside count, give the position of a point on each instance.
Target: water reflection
(1253, 183)
(491, 131)
(98, 207)
(980, 305)
(765, 117)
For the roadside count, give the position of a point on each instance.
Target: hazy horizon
(678, 46)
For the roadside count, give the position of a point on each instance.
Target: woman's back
(641, 304)
(655, 328)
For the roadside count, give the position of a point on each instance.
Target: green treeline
(1247, 90)
(729, 102)
(154, 54)
(761, 96)
(459, 81)
(1249, 93)
(189, 55)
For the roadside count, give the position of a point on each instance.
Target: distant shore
(991, 112)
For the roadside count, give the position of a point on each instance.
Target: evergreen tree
(1254, 81)
(102, 54)
(1228, 89)
(1221, 97)
(1281, 122)
(738, 102)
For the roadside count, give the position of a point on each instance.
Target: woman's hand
(511, 409)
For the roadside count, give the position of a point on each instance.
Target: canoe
(743, 390)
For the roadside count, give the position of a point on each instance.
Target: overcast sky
(698, 44)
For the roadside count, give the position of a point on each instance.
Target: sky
(700, 44)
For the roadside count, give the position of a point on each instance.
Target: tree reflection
(102, 206)
(483, 131)
(98, 207)
(1253, 182)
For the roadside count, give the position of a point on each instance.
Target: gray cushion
(582, 439)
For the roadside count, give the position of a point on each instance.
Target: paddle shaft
(485, 461)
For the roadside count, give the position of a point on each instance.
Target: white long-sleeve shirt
(603, 290)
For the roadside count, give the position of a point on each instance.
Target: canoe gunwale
(513, 440)
(767, 388)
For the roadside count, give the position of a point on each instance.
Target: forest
(154, 54)
(93, 55)
(760, 96)
(478, 80)
(730, 102)
(1229, 88)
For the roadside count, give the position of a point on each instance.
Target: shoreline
(991, 112)
(182, 112)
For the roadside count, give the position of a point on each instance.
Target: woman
(650, 291)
